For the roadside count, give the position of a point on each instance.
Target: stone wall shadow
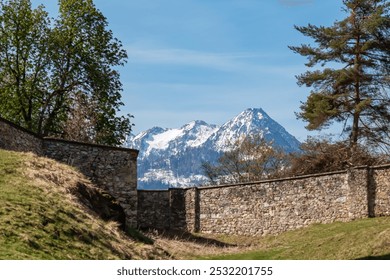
(382, 257)
(188, 237)
(371, 193)
(197, 211)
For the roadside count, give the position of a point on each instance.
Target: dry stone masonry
(379, 202)
(259, 208)
(272, 207)
(114, 169)
(15, 138)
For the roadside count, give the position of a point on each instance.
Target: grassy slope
(41, 219)
(362, 239)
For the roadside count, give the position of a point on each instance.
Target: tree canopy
(59, 77)
(351, 76)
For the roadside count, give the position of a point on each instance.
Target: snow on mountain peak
(192, 134)
(161, 141)
(193, 124)
(179, 152)
(249, 122)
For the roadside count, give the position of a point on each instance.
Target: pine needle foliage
(350, 79)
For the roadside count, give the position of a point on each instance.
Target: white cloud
(219, 61)
(241, 62)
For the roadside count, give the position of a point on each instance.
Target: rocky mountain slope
(173, 157)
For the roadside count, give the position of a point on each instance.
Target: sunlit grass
(362, 239)
(41, 219)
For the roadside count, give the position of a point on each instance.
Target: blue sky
(212, 59)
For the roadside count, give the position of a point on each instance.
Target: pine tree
(351, 84)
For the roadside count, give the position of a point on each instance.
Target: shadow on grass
(185, 236)
(383, 257)
(139, 236)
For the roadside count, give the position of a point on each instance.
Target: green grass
(40, 219)
(362, 239)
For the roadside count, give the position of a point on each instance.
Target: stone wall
(380, 185)
(274, 206)
(155, 210)
(111, 168)
(172, 209)
(15, 138)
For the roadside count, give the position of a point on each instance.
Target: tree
(354, 89)
(59, 77)
(24, 59)
(248, 159)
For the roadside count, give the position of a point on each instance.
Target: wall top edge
(51, 139)
(154, 191)
(14, 125)
(267, 181)
(381, 166)
(286, 178)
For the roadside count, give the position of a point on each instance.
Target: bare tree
(248, 159)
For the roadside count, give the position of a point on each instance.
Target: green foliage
(23, 61)
(58, 76)
(354, 90)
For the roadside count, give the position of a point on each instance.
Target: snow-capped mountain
(157, 139)
(251, 122)
(173, 157)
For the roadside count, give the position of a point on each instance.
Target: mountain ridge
(173, 157)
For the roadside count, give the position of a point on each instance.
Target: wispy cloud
(241, 62)
(295, 2)
(219, 61)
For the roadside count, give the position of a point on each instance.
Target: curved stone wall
(111, 168)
